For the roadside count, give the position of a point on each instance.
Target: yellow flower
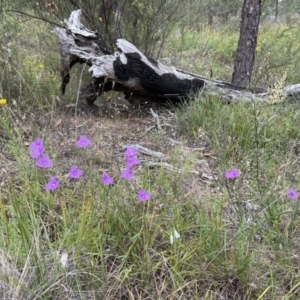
(2, 101)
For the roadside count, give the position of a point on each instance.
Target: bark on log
(131, 72)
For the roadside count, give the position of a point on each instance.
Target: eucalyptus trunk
(245, 54)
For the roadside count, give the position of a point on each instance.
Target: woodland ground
(239, 239)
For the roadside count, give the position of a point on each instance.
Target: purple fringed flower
(75, 172)
(44, 162)
(131, 161)
(83, 142)
(233, 174)
(106, 179)
(127, 174)
(53, 184)
(37, 152)
(143, 195)
(36, 148)
(131, 152)
(37, 143)
(292, 194)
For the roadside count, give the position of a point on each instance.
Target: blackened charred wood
(128, 70)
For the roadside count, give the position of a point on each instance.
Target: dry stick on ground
(146, 151)
(156, 118)
(169, 167)
(160, 155)
(138, 76)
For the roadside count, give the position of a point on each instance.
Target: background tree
(245, 54)
(145, 23)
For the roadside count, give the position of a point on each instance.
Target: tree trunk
(276, 8)
(138, 76)
(245, 54)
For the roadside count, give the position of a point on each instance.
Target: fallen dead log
(128, 70)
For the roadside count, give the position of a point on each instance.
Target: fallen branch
(145, 150)
(169, 167)
(131, 72)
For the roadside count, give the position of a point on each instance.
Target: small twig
(173, 142)
(169, 167)
(78, 94)
(155, 116)
(35, 17)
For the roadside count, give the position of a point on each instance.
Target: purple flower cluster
(131, 161)
(36, 148)
(37, 151)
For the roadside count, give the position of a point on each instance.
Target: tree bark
(276, 8)
(131, 72)
(245, 54)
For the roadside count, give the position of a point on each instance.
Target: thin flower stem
(256, 140)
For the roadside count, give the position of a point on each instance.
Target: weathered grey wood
(75, 41)
(130, 71)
